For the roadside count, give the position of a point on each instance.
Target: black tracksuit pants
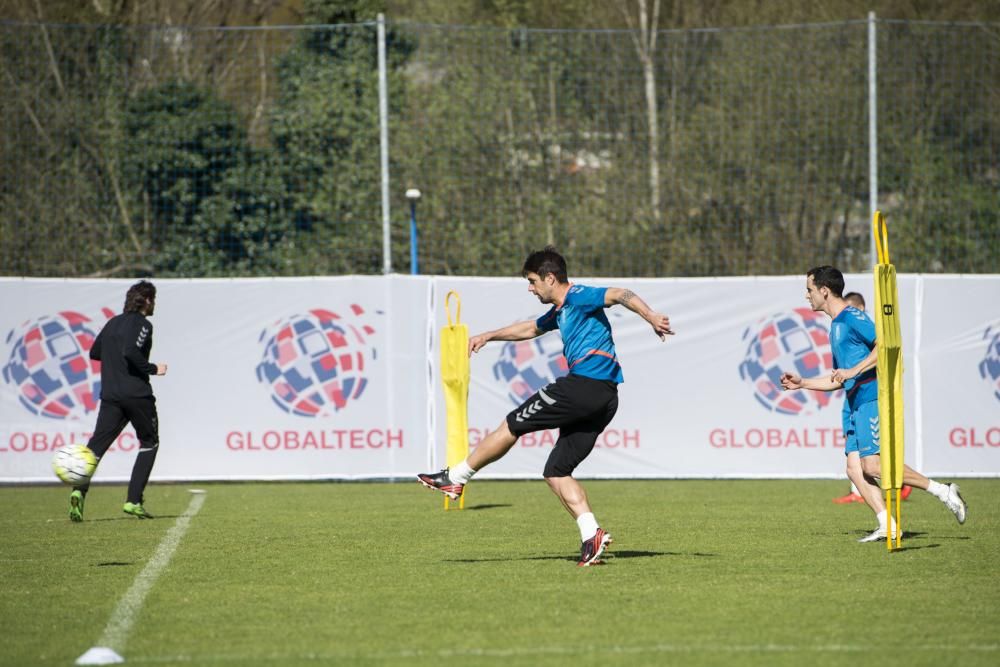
(112, 418)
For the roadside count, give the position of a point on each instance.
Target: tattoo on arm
(627, 295)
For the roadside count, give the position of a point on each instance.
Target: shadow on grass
(916, 548)
(610, 556)
(911, 535)
(907, 535)
(649, 554)
(488, 506)
(127, 517)
(114, 563)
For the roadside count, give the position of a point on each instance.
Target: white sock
(461, 473)
(588, 526)
(854, 489)
(937, 489)
(882, 522)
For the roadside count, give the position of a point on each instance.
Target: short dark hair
(857, 297)
(139, 296)
(829, 277)
(546, 261)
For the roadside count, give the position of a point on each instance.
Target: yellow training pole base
(461, 502)
(895, 531)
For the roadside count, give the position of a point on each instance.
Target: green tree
(213, 206)
(325, 131)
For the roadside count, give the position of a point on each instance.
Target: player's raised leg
(451, 481)
(110, 423)
(946, 493)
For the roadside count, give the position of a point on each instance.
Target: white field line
(542, 651)
(125, 614)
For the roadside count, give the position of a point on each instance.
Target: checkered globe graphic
(313, 365)
(796, 342)
(524, 367)
(49, 365)
(989, 367)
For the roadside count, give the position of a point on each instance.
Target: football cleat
(76, 505)
(849, 498)
(136, 510)
(874, 536)
(905, 492)
(591, 550)
(441, 482)
(956, 503)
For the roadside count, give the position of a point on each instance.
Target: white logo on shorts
(529, 410)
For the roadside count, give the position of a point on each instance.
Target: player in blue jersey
(852, 340)
(858, 301)
(580, 404)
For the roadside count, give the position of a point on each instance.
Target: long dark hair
(139, 296)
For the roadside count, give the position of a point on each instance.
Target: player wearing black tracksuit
(123, 347)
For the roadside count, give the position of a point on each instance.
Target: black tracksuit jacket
(123, 348)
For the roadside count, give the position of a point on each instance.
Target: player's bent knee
(871, 467)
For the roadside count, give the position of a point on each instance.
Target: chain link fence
(193, 152)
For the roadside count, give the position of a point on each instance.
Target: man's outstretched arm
(517, 331)
(629, 299)
(791, 382)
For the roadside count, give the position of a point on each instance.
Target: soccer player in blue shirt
(858, 301)
(852, 340)
(580, 404)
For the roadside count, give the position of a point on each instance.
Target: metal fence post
(383, 116)
(872, 133)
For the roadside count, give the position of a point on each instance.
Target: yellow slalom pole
(455, 378)
(888, 341)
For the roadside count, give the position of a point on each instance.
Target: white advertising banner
(704, 403)
(960, 374)
(317, 378)
(267, 379)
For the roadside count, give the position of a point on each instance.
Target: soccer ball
(74, 464)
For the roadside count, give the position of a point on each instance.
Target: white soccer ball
(74, 464)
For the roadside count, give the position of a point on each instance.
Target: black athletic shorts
(580, 407)
(114, 416)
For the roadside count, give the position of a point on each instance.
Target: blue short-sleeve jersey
(587, 342)
(852, 337)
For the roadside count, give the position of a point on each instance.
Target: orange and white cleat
(849, 498)
(591, 550)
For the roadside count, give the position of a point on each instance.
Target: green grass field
(701, 573)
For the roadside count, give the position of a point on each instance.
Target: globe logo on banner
(989, 367)
(50, 367)
(314, 364)
(526, 366)
(796, 342)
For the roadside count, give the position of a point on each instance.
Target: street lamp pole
(413, 195)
